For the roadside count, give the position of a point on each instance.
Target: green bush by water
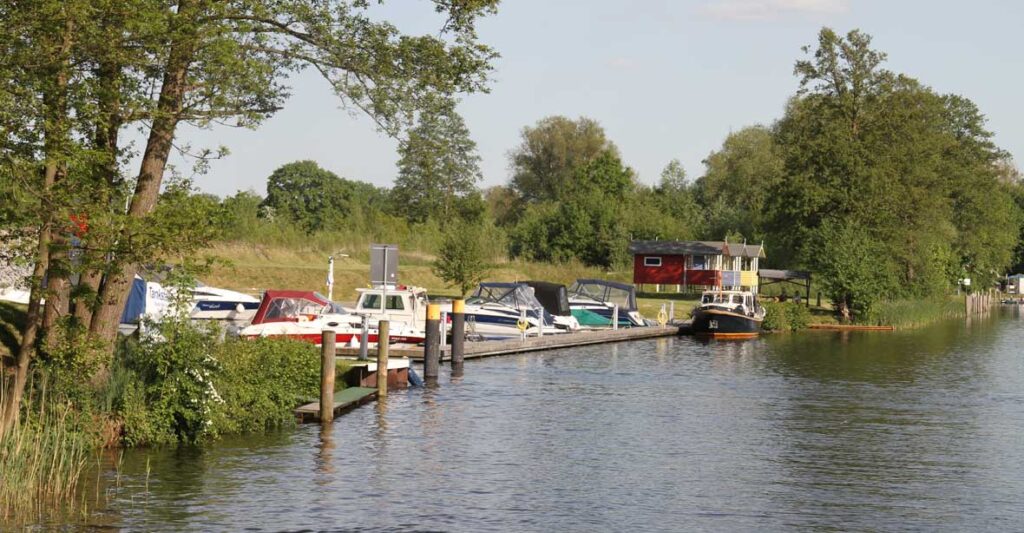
(785, 316)
(183, 385)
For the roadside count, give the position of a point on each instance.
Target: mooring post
(671, 311)
(383, 345)
(615, 316)
(364, 339)
(327, 371)
(432, 343)
(458, 335)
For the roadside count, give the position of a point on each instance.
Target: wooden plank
(343, 399)
(850, 327)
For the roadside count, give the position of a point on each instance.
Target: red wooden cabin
(695, 264)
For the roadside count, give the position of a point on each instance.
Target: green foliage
(785, 316)
(462, 260)
(890, 189)
(738, 182)
(261, 382)
(437, 165)
(849, 260)
(315, 199)
(551, 154)
(179, 384)
(175, 396)
(914, 312)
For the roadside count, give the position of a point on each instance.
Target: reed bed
(42, 460)
(913, 313)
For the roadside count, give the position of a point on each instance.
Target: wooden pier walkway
(475, 350)
(343, 400)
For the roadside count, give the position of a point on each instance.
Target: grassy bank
(911, 313)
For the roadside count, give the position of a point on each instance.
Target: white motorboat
(304, 315)
(494, 311)
(211, 303)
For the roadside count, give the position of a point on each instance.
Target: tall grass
(911, 313)
(41, 462)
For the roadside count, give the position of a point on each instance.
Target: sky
(666, 79)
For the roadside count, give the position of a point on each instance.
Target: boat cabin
(396, 303)
(742, 302)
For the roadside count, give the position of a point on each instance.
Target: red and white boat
(303, 315)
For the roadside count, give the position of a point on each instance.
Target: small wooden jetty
(475, 350)
(344, 400)
(850, 327)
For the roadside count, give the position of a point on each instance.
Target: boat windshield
(624, 297)
(514, 296)
(717, 298)
(288, 308)
(371, 301)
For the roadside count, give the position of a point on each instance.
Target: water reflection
(853, 430)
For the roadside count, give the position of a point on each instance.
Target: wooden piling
(383, 344)
(432, 343)
(327, 371)
(458, 335)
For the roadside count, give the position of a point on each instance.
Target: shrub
(261, 382)
(785, 316)
(774, 316)
(174, 396)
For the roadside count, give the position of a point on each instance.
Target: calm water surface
(824, 431)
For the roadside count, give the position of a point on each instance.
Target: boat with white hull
(494, 311)
(303, 315)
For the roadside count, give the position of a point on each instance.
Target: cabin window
(652, 261)
(395, 303)
(698, 262)
(370, 301)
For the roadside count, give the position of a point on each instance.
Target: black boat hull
(721, 324)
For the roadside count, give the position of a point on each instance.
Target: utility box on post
(384, 264)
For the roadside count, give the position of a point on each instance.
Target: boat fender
(414, 379)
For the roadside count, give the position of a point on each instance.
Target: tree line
(880, 185)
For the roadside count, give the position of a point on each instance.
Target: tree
(79, 71)
(908, 175)
(550, 154)
(312, 198)
(437, 164)
(462, 262)
(735, 187)
(676, 198)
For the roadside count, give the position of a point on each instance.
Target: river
(918, 430)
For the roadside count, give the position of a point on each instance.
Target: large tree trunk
(105, 140)
(26, 350)
(55, 141)
(114, 293)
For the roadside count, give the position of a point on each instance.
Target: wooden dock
(343, 400)
(850, 327)
(476, 350)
